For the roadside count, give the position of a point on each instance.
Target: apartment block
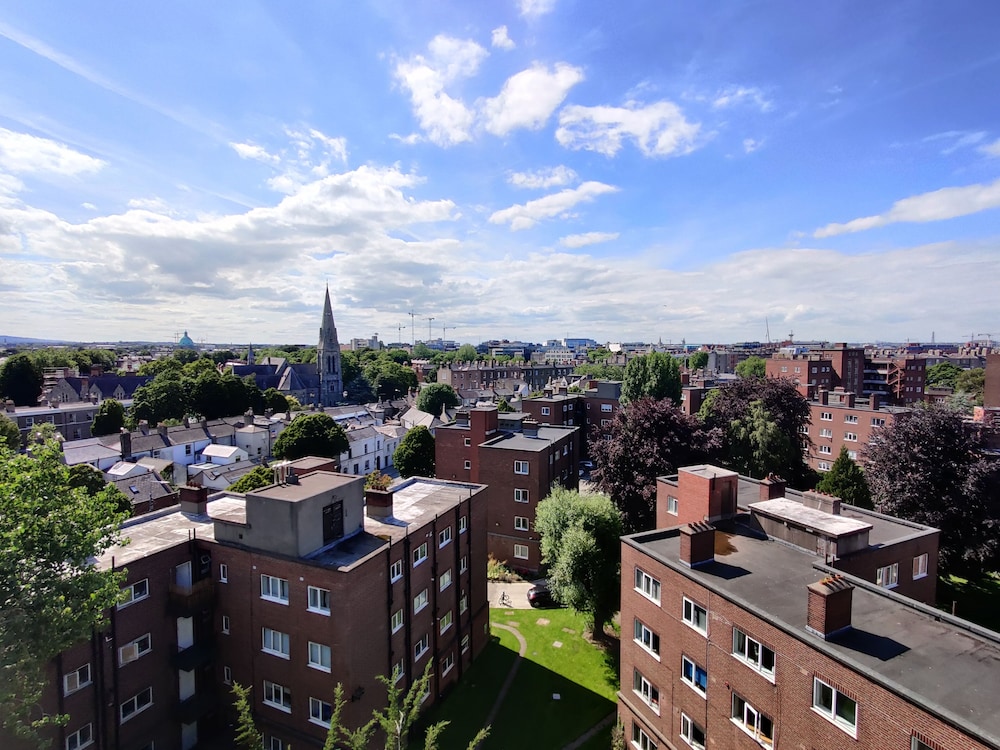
(593, 408)
(474, 375)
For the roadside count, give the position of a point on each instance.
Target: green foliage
(497, 571)
(943, 374)
(311, 435)
(109, 419)
(376, 480)
(599, 354)
(10, 435)
(415, 454)
(248, 736)
(259, 476)
(276, 401)
(757, 445)
(163, 398)
(846, 480)
(51, 593)
(186, 356)
(422, 351)
(161, 365)
(466, 353)
(580, 544)
(697, 361)
(21, 380)
(655, 375)
(434, 397)
(388, 378)
(752, 367)
(972, 382)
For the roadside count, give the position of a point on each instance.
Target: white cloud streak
(574, 241)
(543, 178)
(991, 149)
(22, 153)
(500, 40)
(732, 96)
(658, 129)
(527, 215)
(536, 8)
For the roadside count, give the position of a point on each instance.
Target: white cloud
(732, 96)
(255, 152)
(587, 238)
(543, 178)
(938, 205)
(525, 216)
(658, 129)
(956, 139)
(500, 40)
(308, 155)
(750, 145)
(528, 98)
(153, 205)
(991, 149)
(535, 8)
(88, 206)
(446, 120)
(22, 153)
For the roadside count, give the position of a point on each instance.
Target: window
(646, 690)
(784, 368)
(606, 407)
(77, 679)
(520, 523)
(275, 642)
(446, 620)
(825, 449)
(447, 663)
(420, 601)
(691, 733)
(850, 418)
(227, 675)
(646, 585)
(134, 593)
(696, 616)
(397, 620)
(521, 467)
(225, 623)
(753, 722)
(694, 676)
(319, 600)
(468, 442)
(804, 429)
(640, 739)
(521, 551)
(396, 571)
(887, 576)
(467, 465)
(463, 564)
(878, 422)
(826, 432)
(274, 589)
(276, 744)
(463, 603)
(223, 573)
(605, 423)
(853, 455)
(463, 524)
(139, 702)
(823, 466)
(465, 643)
(187, 449)
(320, 712)
(917, 744)
(672, 505)
(80, 738)
(545, 411)
(753, 653)
(277, 696)
(398, 670)
(319, 656)
(132, 651)
(520, 496)
(919, 566)
(421, 647)
(826, 416)
(444, 537)
(445, 580)
(834, 706)
(647, 638)
(851, 437)
(419, 554)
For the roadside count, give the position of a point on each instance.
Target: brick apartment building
(593, 408)
(289, 590)
(520, 460)
(743, 636)
(475, 375)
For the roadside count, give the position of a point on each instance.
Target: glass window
(274, 589)
(320, 712)
(277, 696)
(646, 638)
(275, 643)
(420, 601)
(753, 722)
(319, 600)
(694, 675)
(521, 467)
(319, 656)
(396, 571)
(419, 554)
(696, 616)
(753, 653)
(835, 706)
(646, 585)
(919, 566)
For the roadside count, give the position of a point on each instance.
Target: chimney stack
(194, 500)
(697, 544)
(530, 428)
(378, 503)
(126, 443)
(162, 429)
(821, 501)
(829, 606)
(772, 487)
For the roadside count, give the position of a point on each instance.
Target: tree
(415, 454)
(422, 351)
(927, 467)
(698, 361)
(10, 435)
(52, 594)
(504, 407)
(275, 400)
(601, 372)
(757, 446)
(434, 397)
(311, 435)
(600, 354)
(580, 544)
(648, 438)
(655, 375)
(846, 480)
(247, 735)
(943, 374)
(466, 353)
(163, 398)
(91, 481)
(752, 367)
(972, 382)
(109, 419)
(389, 379)
(21, 380)
(257, 477)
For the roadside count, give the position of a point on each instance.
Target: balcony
(192, 657)
(198, 705)
(185, 601)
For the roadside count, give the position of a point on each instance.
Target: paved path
(521, 651)
(605, 722)
(518, 593)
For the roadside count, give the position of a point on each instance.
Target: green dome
(185, 342)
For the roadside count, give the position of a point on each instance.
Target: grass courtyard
(559, 661)
(978, 601)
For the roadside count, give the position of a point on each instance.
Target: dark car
(540, 596)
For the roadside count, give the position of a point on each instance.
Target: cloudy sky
(514, 168)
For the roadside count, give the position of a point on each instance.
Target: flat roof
(828, 524)
(306, 486)
(547, 435)
(946, 665)
(154, 532)
(417, 501)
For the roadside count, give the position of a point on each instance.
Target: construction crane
(444, 331)
(429, 334)
(413, 335)
(989, 338)
(399, 332)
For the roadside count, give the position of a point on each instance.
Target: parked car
(539, 595)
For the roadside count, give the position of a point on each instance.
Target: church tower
(331, 380)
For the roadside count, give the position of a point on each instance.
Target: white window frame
(826, 416)
(316, 711)
(268, 584)
(316, 600)
(887, 576)
(420, 601)
(641, 740)
(646, 585)
(463, 524)
(77, 679)
(277, 696)
(135, 593)
(646, 691)
(465, 643)
(275, 643)
(520, 495)
(688, 726)
(647, 638)
(135, 649)
(826, 450)
(317, 652)
(223, 573)
(463, 564)
(826, 432)
(689, 613)
(607, 407)
(521, 523)
(81, 738)
(851, 437)
(398, 670)
(420, 554)
(445, 622)
(850, 419)
(753, 653)
(227, 675)
(521, 551)
(749, 720)
(135, 705)
(396, 621)
(225, 624)
(467, 464)
(523, 467)
(447, 663)
(463, 603)
(545, 411)
(468, 442)
(444, 580)
(444, 537)
(920, 566)
(672, 505)
(691, 681)
(421, 647)
(832, 714)
(396, 571)
(823, 466)
(276, 743)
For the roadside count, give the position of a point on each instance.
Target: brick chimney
(378, 503)
(194, 500)
(530, 428)
(829, 606)
(162, 429)
(875, 401)
(821, 501)
(697, 544)
(772, 487)
(126, 443)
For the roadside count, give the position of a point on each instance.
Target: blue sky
(517, 168)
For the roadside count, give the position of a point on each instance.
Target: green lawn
(978, 601)
(578, 671)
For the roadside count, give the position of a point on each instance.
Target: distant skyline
(526, 169)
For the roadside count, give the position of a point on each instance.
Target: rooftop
(418, 501)
(518, 441)
(818, 520)
(305, 487)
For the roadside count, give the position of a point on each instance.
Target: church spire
(331, 383)
(328, 331)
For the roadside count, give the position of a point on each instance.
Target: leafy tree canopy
(601, 372)
(503, 407)
(276, 401)
(415, 454)
(656, 375)
(697, 361)
(757, 446)
(311, 435)
(580, 544)
(109, 419)
(466, 353)
(389, 379)
(598, 355)
(846, 480)
(752, 367)
(972, 382)
(422, 351)
(259, 476)
(943, 374)
(21, 380)
(434, 397)
(10, 435)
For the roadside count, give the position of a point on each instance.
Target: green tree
(311, 435)
(52, 594)
(504, 407)
(697, 361)
(109, 419)
(163, 398)
(757, 444)
(415, 454)
(163, 364)
(599, 354)
(972, 382)
(257, 477)
(943, 374)
(275, 400)
(655, 375)
(752, 367)
(601, 371)
(91, 480)
(389, 379)
(248, 736)
(466, 353)
(580, 544)
(186, 356)
(846, 480)
(21, 380)
(10, 435)
(422, 351)
(436, 396)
